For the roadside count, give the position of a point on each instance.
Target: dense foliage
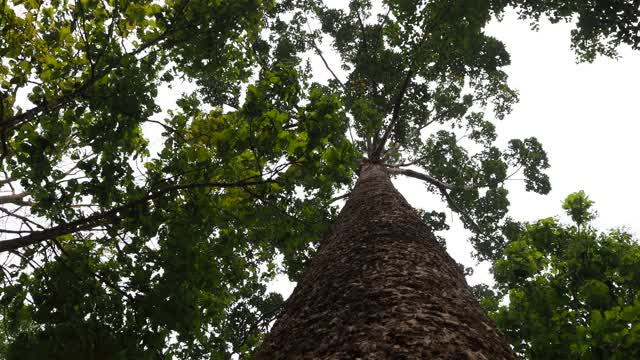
(573, 293)
(114, 251)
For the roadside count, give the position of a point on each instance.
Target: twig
(23, 218)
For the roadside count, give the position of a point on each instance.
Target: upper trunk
(380, 287)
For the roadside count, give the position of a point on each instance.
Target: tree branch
(13, 198)
(7, 181)
(426, 177)
(90, 222)
(340, 197)
(23, 218)
(463, 214)
(326, 64)
(403, 89)
(319, 52)
(394, 117)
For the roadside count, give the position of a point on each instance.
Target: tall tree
(381, 287)
(117, 252)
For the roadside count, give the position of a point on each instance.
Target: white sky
(585, 115)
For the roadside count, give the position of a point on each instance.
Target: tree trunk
(380, 287)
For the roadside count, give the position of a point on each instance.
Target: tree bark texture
(380, 287)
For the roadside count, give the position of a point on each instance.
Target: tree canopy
(573, 293)
(117, 252)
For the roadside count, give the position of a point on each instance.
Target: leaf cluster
(572, 293)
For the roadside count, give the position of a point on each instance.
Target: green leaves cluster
(568, 292)
(578, 207)
(601, 26)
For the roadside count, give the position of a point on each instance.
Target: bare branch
(319, 52)
(23, 218)
(326, 64)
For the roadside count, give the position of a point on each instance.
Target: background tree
(143, 255)
(573, 293)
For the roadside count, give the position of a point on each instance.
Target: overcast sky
(586, 117)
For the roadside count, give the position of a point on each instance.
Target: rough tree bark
(380, 287)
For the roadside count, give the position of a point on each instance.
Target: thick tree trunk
(381, 287)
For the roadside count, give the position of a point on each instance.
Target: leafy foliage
(578, 205)
(601, 26)
(572, 294)
(115, 250)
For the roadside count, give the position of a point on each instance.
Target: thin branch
(319, 52)
(513, 173)
(32, 262)
(463, 214)
(167, 127)
(7, 181)
(349, 129)
(411, 163)
(15, 231)
(340, 197)
(429, 122)
(23, 218)
(326, 64)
